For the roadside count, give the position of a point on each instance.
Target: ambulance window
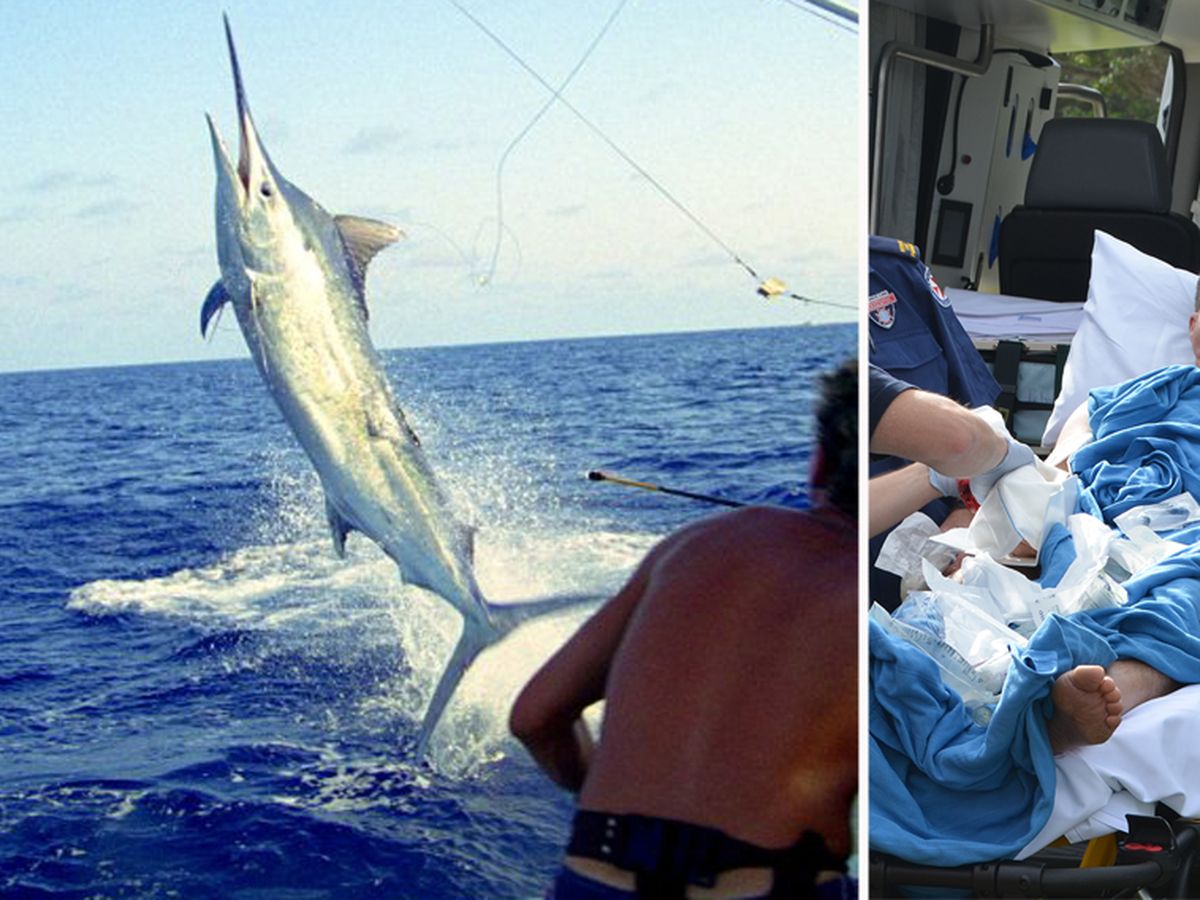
(1131, 80)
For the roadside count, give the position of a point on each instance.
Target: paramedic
(947, 441)
(915, 336)
(728, 754)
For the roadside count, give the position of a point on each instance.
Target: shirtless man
(729, 668)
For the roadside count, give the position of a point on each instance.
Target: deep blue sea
(198, 699)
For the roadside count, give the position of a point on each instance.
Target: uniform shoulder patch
(936, 289)
(881, 307)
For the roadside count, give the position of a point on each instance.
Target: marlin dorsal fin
(363, 238)
(338, 529)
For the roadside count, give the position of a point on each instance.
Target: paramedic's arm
(547, 714)
(935, 430)
(1076, 432)
(896, 494)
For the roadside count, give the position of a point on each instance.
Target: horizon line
(501, 343)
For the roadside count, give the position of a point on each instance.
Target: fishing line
(825, 10)
(212, 332)
(555, 96)
(512, 235)
(466, 260)
(767, 289)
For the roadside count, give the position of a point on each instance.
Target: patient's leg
(1088, 703)
(1087, 708)
(1139, 682)
(1076, 432)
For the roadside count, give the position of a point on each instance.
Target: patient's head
(1194, 326)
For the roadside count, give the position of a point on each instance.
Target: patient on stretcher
(1076, 431)
(950, 786)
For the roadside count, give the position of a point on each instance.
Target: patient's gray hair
(1198, 295)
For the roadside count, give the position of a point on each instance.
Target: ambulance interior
(960, 93)
(968, 100)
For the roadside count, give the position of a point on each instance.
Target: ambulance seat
(1088, 174)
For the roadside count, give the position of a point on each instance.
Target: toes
(1089, 678)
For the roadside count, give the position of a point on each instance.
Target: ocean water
(197, 698)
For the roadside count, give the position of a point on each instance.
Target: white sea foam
(300, 594)
(288, 584)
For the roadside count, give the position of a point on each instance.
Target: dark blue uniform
(913, 332)
(883, 389)
(915, 336)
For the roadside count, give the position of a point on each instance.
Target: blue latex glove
(945, 485)
(1018, 455)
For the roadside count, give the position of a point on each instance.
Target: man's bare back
(729, 667)
(727, 762)
(740, 658)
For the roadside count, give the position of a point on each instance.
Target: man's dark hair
(837, 433)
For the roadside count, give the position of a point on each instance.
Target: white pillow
(1135, 320)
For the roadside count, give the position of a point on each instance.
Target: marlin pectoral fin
(338, 529)
(363, 238)
(408, 429)
(212, 303)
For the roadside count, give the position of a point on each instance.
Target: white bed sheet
(995, 316)
(1153, 756)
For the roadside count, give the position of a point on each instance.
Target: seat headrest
(1113, 164)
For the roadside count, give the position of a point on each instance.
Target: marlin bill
(294, 275)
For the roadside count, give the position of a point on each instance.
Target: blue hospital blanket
(1146, 442)
(946, 791)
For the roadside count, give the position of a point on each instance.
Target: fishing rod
(598, 475)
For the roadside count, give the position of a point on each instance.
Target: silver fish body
(294, 276)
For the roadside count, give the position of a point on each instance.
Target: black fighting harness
(667, 856)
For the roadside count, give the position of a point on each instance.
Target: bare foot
(1087, 708)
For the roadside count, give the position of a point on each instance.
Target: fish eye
(265, 189)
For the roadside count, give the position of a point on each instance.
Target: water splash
(303, 601)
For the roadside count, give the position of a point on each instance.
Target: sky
(745, 110)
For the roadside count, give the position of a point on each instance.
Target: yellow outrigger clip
(772, 287)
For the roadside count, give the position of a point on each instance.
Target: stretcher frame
(1157, 857)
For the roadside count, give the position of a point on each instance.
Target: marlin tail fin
(507, 616)
(476, 638)
(473, 641)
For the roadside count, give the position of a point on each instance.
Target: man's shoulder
(754, 531)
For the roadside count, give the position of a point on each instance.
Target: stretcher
(1155, 854)
(1155, 857)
